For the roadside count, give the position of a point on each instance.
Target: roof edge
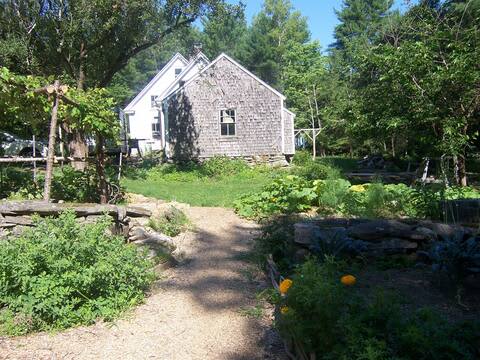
(222, 56)
(155, 79)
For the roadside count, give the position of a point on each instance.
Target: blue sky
(320, 13)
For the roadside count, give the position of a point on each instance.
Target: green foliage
(338, 322)
(274, 30)
(68, 184)
(218, 166)
(60, 274)
(331, 195)
(457, 257)
(172, 222)
(289, 194)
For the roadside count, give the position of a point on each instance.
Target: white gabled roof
(152, 82)
(199, 57)
(225, 56)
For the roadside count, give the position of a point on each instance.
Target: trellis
(312, 134)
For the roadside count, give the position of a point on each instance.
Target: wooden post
(102, 182)
(34, 162)
(314, 138)
(51, 142)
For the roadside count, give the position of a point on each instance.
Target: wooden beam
(19, 159)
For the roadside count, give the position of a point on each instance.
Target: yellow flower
(348, 280)
(284, 310)
(357, 188)
(285, 285)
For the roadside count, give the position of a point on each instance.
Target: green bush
(218, 166)
(331, 195)
(172, 222)
(289, 194)
(317, 171)
(60, 274)
(68, 184)
(338, 322)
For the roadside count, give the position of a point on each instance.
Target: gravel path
(193, 313)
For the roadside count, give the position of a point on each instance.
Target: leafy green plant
(457, 257)
(60, 273)
(331, 195)
(223, 165)
(334, 321)
(172, 222)
(289, 194)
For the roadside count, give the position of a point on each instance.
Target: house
(199, 108)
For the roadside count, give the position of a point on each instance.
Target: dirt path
(193, 312)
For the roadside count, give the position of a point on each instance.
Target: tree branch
(123, 59)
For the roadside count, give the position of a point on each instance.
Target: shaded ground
(193, 313)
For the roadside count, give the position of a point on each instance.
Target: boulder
(393, 246)
(305, 233)
(380, 229)
(428, 234)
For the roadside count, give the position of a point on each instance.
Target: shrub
(334, 321)
(218, 166)
(172, 222)
(302, 157)
(457, 257)
(61, 273)
(289, 194)
(331, 195)
(317, 171)
(68, 184)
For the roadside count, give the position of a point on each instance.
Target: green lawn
(200, 192)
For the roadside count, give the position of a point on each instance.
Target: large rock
(393, 246)
(380, 229)
(305, 233)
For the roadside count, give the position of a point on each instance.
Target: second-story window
(153, 100)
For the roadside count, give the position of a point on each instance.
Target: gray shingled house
(219, 108)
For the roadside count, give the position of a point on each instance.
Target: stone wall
(194, 116)
(129, 222)
(376, 237)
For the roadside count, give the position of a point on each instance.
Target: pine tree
(273, 30)
(359, 19)
(225, 31)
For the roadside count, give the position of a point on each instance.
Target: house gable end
(155, 79)
(222, 57)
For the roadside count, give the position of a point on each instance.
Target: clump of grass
(172, 222)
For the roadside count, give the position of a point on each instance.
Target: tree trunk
(393, 146)
(460, 170)
(77, 144)
(100, 164)
(51, 145)
(78, 150)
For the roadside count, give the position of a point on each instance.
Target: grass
(201, 191)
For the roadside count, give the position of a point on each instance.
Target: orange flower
(284, 310)
(285, 285)
(348, 280)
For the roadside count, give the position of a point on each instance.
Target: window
(177, 72)
(227, 122)
(156, 125)
(153, 100)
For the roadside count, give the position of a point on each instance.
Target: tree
(273, 30)
(225, 31)
(426, 83)
(89, 41)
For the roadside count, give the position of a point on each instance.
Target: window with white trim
(178, 71)
(156, 125)
(227, 122)
(153, 100)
